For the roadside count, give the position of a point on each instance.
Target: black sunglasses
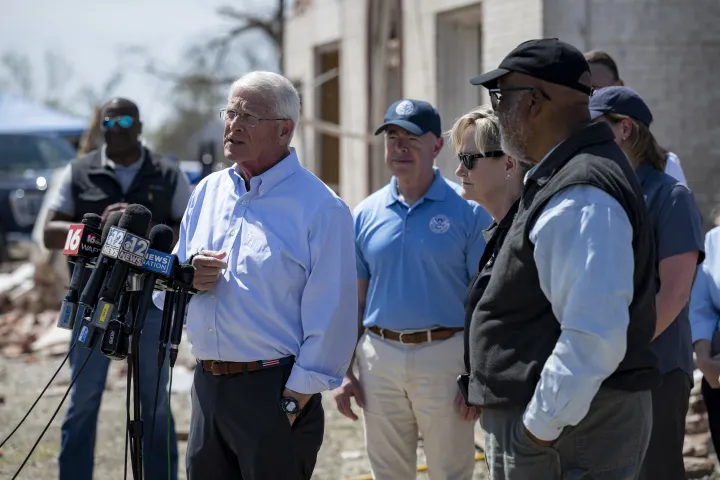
(470, 159)
(496, 94)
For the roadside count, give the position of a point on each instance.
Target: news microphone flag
(82, 242)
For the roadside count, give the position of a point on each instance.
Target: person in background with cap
(106, 180)
(605, 73)
(677, 225)
(417, 242)
(560, 353)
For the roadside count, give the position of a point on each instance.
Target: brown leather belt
(416, 337)
(225, 368)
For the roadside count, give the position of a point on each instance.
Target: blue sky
(93, 36)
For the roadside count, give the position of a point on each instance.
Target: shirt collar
(437, 191)
(272, 177)
(105, 161)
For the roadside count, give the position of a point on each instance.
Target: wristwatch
(290, 405)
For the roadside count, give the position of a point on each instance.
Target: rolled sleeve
(583, 252)
(62, 200)
(329, 304)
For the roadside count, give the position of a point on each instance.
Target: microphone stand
(135, 424)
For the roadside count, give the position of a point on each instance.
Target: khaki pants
(409, 388)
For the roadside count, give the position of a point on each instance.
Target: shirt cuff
(539, 424)
(307, 382)
(702, 331)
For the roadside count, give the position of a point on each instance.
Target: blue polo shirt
(418, 259)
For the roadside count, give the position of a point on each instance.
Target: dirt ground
(342, 456)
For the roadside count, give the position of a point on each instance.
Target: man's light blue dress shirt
(290, 287)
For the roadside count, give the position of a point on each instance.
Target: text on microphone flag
(113, 242)
(133, 250)
(158, 262)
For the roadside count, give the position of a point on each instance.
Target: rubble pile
(699, 463)
(30, 297)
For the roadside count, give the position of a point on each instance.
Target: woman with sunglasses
(677, 226)
(492, 179)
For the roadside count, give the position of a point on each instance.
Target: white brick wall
(325, 22)
(669, 51)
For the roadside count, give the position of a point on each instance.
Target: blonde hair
(487, 132)
(487, 129)
(642, 148)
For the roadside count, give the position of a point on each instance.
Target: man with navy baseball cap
(417, 242)
(560, 360)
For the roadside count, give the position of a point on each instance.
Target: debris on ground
(698, 447)
(30, 297)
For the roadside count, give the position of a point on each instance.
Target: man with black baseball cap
(559, 343)
(417, 244)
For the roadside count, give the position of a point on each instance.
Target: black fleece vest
(95, 186)
(513, 329)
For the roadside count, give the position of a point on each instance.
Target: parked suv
(27, 162)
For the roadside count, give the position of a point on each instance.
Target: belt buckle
(212, 367)
(400, 338)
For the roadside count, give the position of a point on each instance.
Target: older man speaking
(274, 322)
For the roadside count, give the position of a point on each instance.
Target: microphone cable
(67, 392)
(37, 400)
(169, 429)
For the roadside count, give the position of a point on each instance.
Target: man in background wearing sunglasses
(121, 172)
(418, 242)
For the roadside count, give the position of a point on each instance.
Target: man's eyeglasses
(470, 159)
(496, 94)
(244, 118)
(125, 121)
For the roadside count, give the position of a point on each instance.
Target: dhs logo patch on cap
(404, 108)
(416, 116)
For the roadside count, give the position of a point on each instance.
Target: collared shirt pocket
(256, 254)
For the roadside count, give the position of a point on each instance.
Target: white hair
(272, 86)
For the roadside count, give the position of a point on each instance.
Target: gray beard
(512, 135)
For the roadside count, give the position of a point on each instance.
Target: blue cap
(620, 100)
(415, 116)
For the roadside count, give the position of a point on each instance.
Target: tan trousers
(409, 388)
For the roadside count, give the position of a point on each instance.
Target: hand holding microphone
(208, 267)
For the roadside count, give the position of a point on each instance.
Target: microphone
(83, 243)
(130, 250)
(86, 336)
(183, 282)
(157, 262)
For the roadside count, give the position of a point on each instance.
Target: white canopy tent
(19, 115)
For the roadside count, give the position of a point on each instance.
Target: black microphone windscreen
(161, 238)
(92, 220)
(136, 219)
(112, 221)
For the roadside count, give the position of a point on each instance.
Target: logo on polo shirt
(405, 108)
(439, 224)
